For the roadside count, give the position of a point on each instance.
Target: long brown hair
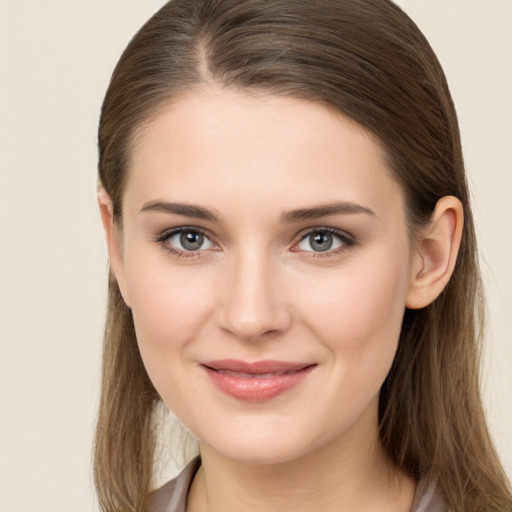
(368, 60)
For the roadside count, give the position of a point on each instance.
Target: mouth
(257, 381)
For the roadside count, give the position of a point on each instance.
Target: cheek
(170, 307)
(358, 311)
(357, 316)
(170, 304)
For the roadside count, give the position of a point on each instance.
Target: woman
(294, 267)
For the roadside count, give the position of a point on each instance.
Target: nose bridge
(254, 303)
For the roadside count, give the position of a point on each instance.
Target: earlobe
(435, 253)
(114, 243)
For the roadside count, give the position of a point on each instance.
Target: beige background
(55, 61)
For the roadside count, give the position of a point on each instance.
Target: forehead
(217, 144)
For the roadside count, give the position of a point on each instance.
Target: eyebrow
(288, 217)
(187, 210)
(323, 210)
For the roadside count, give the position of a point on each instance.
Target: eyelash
(163, 240)
(347, 241)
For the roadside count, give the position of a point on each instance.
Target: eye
(185, 240)
(324, 241)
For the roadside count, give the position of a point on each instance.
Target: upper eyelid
(335, 231)
(167, 233)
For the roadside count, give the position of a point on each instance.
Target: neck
(350, 473)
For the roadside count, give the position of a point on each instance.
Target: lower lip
(256, 389)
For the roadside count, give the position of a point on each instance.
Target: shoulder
(172, 497)
(428, 498)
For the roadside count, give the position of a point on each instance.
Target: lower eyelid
(181, 254)
(179, 233)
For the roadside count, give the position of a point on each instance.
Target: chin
(260, 453)
(261, 442)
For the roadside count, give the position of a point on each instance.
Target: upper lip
(256, 367)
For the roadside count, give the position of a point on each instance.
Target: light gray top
(172, 497)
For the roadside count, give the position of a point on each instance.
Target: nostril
(266, 325)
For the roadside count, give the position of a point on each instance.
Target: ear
(435, 253)
(114, 241)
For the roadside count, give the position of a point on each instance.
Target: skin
(257, 289)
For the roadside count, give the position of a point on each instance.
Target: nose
(254, 304)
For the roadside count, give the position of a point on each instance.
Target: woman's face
(266, 259)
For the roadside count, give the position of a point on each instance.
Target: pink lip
(258, 381)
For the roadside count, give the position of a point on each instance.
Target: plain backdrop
(55, 61)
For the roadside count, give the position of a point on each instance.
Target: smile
(258, 381)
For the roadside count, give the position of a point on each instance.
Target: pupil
(321, 241)
(191, 241)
